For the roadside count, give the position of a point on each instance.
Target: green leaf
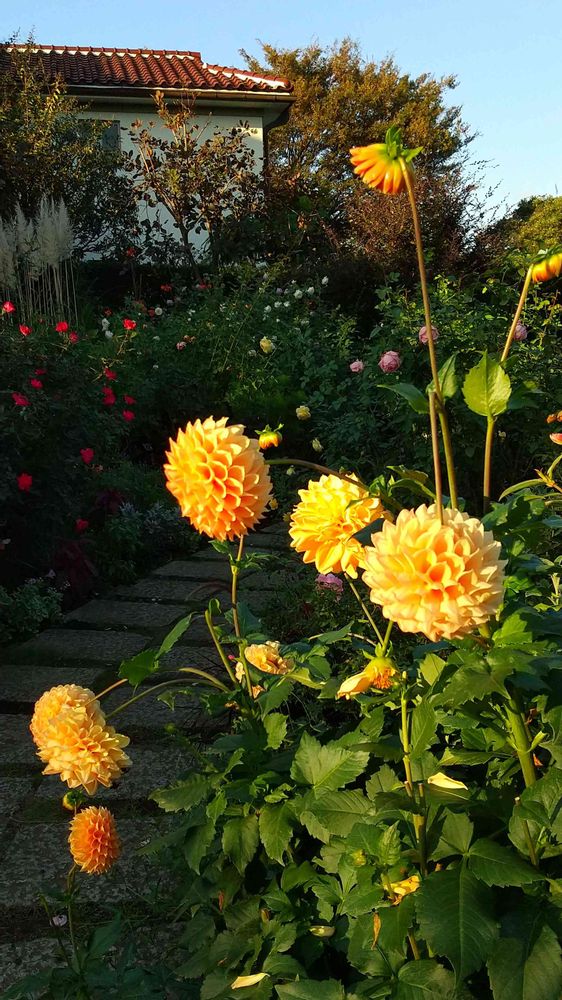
(197, 842)
(275, 826)
(447, 378)
(456, 836)
(526, 963)
(410, 393)
(497, 865)
(389, 848)
(425, 980)
(363, 536)
(326, 767)
(311, 989)
(175, 634)
(139, 667)
(182, 795)
(276, 729)
(103, 938)
(423, 728)
(487, 388)
(453, 910)
(240, 839)
(472, 683)
(333, 813)
(540, 808)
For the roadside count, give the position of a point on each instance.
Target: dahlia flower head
(93, 840)
(74, 740)
(219, 478)
(443, 580)
(266, 657)
(379, 673)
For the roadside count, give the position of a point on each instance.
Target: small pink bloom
(390, 362)
(180, 346)
(129, 324)
(8, 307)
(520, 332)
(25, 330)
(128, 415)
(36, 383)
(557, 438)
(422, 335)
(73, 337)
(357, 366)
(87, 455)
(329, 581)
(62, 327)
(19, 399)
(81, 524)
(25, 482)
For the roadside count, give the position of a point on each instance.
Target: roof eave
(147, 93)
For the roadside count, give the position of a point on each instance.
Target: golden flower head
(443, 580)
(549, 266)
(330, 511)
(83, 750)
(93, 839)
(379, 673)
(49, 705)
(266, 656)
(303, 412)
(382, 165)
(219, 478)
(267, 345)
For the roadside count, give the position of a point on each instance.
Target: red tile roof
(148, 69)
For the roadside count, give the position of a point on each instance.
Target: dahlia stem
(59, 936)
(365, 610)
(517, 316)
(70, 890)
(235, 568)
(318, 468)
(165, 684)
(518, 731)
(406, 744)
(429, 330)
(107, 690)
(386, 640)
(219, 649)
(435, 450)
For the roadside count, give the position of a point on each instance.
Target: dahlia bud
(269, 438)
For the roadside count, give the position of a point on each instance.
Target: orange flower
(219, 478)
(266, 656)
(549, 267)
(443, 580)
(49, 705)
(94, 843)
(83, 749)
(379, 673)
(382, 164)
(330, 511)
(557, 438)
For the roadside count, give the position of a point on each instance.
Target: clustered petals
(219, 478)
(94, 842)
(379, 673)
(266, 657)
(441, 579)
(330, 512)
(377, 169)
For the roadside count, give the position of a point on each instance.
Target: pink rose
(180, 346)
(423, 338)
(329, 581)
(520, 332)
(357, 366)
(390, 362)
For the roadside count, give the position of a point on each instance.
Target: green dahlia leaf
(526, 963)
(497, 865)
(326, 767)
(240, 839)
(487, 388)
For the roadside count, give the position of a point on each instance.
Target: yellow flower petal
(441, 780)
(242, 981)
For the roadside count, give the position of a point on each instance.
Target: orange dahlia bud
(549, 267)
(556, 438)
(330, 511)
(51, 702)
(269, 438)
(380, 673)
(218, 477)
(94, 843)
(84, 751)
(382, 164)
(441, 579)
(266, 656)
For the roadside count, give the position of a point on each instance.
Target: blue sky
(505, 53)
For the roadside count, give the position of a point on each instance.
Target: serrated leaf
(311, 989)
(453, 910)
(539, 807)
(333, 813)
(487, 388)
(275, 827)
(423, 728)
(197, 842)
(456, 836)
(526, 963)
(447, 378)
(276, 729)
(182, 795)
(410, 393)
(176, 633)
(497, 865)
(139, 667)
(240, 839)
(425, 980)
(326, 767)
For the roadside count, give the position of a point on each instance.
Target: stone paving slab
(195, 570)
(13, 791)
(134, 614)
(26, 957)
(39, 856)
(22, 682)
(167, 591)
(16, 745)
(80, 646)
(182, 656)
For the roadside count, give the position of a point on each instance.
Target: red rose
(73, 337)
(108, 396)
(25, 330)
(19, 399)
(36, 383)
(129, 324)
(25, 482)
(8, 307)
(62, 327)
(128, 415)
(87, 455)
(109, 374)
(81, 524)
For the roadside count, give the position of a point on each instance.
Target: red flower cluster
(8, 307)
(109, 396)
(129, 324)
(128, 415)
(109, 374)
(87, 455)
(73, 337)
(25, 482)
(19, 399)
(62, 327)
(25, 330)
(36, 383)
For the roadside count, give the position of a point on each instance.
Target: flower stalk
(520, 742)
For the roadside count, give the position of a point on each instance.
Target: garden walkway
(86, 649)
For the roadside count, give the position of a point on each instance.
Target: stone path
(87, 649)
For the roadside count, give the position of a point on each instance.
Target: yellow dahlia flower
(405, 887)
(50, 703)
(266, 656)
(379, 165)
(94, 843)
(379, 673)
(84, 751)
(443, 580)
(330, 511)
(219, 478)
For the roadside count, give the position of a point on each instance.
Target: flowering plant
(383, 818)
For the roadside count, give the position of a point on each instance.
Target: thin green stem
(365, 610)
(70, 890)
(406, 743)
(61, 943)
(108, 689)
(528, 838)
(520, 741)
(218, 647)
(165, 684)
(235, 569)
(318, 468)
(422, 829)
(517, 316)
(414, 946)
(386, 640)
(487, 478)
(436, 459)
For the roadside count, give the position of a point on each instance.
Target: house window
(111, 137)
